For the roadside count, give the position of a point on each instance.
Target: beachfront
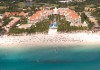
(44, 39)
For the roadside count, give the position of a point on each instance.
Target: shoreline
(62, 39)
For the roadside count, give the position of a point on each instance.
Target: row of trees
(42, 26)
(6, 20)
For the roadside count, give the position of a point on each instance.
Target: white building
(11, 24)
(25, 26)
(55, 11)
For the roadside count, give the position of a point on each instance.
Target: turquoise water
(76, 57)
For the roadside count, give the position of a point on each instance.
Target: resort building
(8, 14)
(11, 24)
(1, 24)
(39, 16)
(24, 26)
(69, 14)
(14, 13)
(22, 14)
(89, 9)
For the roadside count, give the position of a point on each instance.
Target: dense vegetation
(6, 20)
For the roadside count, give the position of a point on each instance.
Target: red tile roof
(36, 15)
(14, 13)
(13, 22)
(22, 13)
(1, 23)
(7, 14)
(72, 14)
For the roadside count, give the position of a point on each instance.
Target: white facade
(25, 26)
(55, 11)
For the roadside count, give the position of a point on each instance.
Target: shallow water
(76, 57)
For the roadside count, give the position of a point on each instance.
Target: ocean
(69, 57)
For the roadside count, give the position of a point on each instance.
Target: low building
(25, 26)
(11, 24)
(7, 14)
(14, 13)
(22, 14)
(1, 23)
(89, 9)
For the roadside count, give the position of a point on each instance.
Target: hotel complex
(69, 14)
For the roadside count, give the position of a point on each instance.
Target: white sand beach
(44, 39)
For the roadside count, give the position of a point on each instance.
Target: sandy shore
(43, 39)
